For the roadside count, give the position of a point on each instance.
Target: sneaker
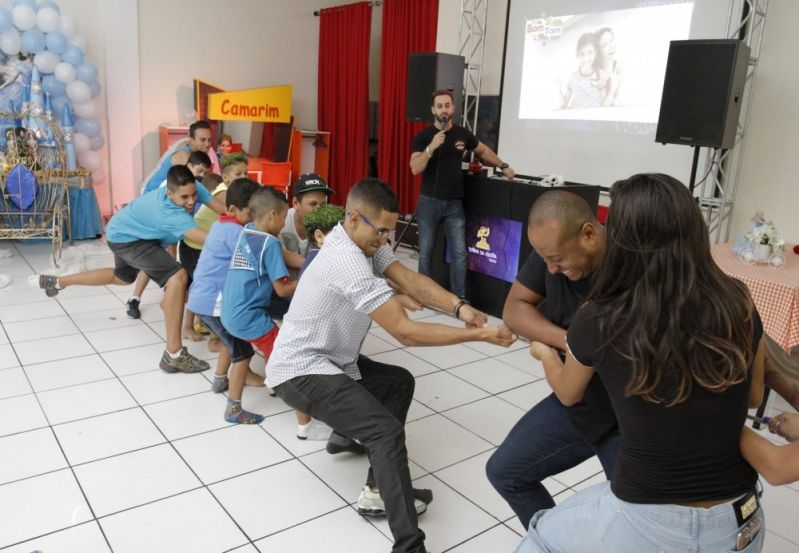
(184, 363)
(49, 284)
(370, 504)
(133, 309)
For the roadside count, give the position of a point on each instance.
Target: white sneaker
(314, 430)
(370, 504)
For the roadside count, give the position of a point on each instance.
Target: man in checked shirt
(315, 365)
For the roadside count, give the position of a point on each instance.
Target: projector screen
(582, 83)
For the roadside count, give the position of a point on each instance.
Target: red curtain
(409, 26)
(343, 92)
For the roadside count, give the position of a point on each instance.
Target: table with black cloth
(498, 197)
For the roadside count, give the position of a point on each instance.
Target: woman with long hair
(676, 342)
(607, 66)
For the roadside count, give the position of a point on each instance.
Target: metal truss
(716, 193)
(471, 45)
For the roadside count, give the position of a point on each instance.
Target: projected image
(492, 246)
(603, 66)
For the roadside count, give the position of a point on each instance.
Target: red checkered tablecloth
(774, 291)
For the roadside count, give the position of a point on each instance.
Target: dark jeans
(543, 443)
(372, 410)
(429, 213)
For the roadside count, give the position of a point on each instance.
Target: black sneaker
(133, 309)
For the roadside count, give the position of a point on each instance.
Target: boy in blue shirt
(137, 235)
(256, 268)
(204, 300)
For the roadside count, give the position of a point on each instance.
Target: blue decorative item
(95, 88)
(97, 142)
(58, 104)
(89, 127)
(86, 72)
(73, 55)
(31, 3)
(67, 126)
(21, 187)
(53, 86)
(6, 20)
(56, 42)
(33, 41)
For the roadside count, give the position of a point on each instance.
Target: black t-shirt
(593, 416)
(443, 176)
(688, 452)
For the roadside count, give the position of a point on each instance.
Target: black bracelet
(458, 306)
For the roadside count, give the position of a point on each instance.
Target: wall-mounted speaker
(427, 73)
(702, 92)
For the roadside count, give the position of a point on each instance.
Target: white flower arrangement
(765, 233)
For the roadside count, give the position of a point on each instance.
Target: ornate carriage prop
(34, 203)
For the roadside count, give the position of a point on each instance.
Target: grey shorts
(147, 256)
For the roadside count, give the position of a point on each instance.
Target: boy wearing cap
(310, 191)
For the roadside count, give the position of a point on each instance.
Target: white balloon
(24, 17)
(69, 26)
(81, 42)
(98, 176)
(65, 73)
(48, 20)
(46, 61)
(78, 92)
(90, 160)
(81, 142)
(87, 109)
(10, 42)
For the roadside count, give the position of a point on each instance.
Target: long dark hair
(662, 301)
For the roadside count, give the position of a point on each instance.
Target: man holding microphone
(437, 153)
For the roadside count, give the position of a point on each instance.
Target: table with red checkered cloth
(774, 291)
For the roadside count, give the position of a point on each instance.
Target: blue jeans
(596, 521)
(543, 443)
(429, 213)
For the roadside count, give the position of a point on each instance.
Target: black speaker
(702, 92)
(427, 73)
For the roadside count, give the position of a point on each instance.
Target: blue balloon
(31, 3)
(95, 87)
(53, 86)
(56, 42)
(89, 127)
(97, 142)
(58, 105)
(73, 55)
(49, 4)
(33, 41)
(6, 20)
(86, 72)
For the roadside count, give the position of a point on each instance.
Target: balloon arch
(39, 35)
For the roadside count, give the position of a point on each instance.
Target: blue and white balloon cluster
(53, 41)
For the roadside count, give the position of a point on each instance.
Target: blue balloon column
(38, 35)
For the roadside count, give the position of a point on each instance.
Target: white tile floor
(100, 451)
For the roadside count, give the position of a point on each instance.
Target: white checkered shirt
(328, 318)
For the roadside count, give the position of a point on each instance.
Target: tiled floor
(100, 451)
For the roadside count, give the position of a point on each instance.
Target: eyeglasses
(382, 233)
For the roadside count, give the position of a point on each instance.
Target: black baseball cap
(310, 182)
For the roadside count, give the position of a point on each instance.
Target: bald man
(568, 244)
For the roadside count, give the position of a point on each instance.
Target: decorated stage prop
(50, 128)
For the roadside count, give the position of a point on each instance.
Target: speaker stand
(694, 166)
(398, 239)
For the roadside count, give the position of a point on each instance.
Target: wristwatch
(503, 166)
